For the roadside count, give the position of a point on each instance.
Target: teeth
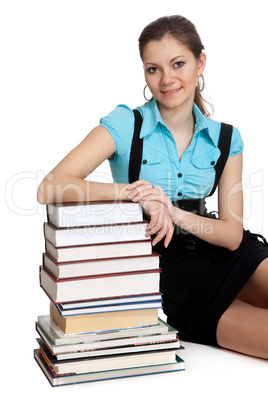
(171, 92)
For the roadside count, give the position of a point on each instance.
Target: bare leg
(244, 328)
(244, 325)
(255, 291)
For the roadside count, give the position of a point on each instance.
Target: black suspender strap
(224, 146)
(136, 149)
(137, 145)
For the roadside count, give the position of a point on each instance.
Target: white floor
(211, 374)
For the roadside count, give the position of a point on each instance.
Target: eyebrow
(170, 60)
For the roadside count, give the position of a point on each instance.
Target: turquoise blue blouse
(190, 177)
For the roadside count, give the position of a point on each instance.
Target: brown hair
(185, 32)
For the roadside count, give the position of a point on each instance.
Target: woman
(214, 274)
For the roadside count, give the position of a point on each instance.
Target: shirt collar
(152, 117)
(204, 124)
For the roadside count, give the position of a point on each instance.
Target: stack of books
(102, 279)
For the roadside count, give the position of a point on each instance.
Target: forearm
(73, 189)
(215, 231)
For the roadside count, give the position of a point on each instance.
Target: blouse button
(191, 244)
(212, 163)
(144, 161)
(179, 175)
(179, 194)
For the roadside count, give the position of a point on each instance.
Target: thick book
(52, 332)
(101, 345)
(58, 380)
(103, 363)
(104, 321)
(100, 266)
(77, 236)
(93, 213)
(99, 286)
(99, 251)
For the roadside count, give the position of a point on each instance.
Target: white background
(65, 64)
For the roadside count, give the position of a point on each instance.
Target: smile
(171, 92)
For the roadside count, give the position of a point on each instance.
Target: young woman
(214, 274)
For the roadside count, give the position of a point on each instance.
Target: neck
(179, 121)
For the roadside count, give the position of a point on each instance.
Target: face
(171, 72)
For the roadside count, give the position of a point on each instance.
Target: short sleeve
(237, 144)
(120, 124)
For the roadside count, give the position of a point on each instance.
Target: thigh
(244, 328)
(255, 291)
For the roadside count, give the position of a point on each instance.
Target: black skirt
(199, 281)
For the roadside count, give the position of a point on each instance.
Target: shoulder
(120, 124)
(121, 115)
(214, 128)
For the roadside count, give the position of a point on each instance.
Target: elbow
(41, 194)
(46, 190)
(235, 241)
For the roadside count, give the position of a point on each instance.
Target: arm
(66, 181)
(227, 231)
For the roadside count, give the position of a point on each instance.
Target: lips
(171, 92)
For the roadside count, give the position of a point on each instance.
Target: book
(102, 363)
(104, 321)
(99, 251)
(110, 351)
(48, 329)
(93, 213)
(99, 286)
(102, 278)
(106, 308)
(80, 235)
(58, 380)
(99, 266)
(147, 298)
(100, 344)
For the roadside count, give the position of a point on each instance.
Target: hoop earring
(144, 95)
(201, 85)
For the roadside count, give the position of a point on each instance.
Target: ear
(202, 63)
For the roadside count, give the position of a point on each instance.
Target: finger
(159, 236)
(137, 183)
(153, 224)
(167, 231)
(156, 229)
(156, 225)
(169, 235)
(142, 191)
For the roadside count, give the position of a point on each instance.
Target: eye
(152, 70)
(179, 64)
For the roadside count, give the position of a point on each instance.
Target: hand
(143, 190)
(151, 197)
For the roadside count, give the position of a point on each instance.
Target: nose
(167, 77)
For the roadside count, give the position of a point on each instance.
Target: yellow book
(104, 321)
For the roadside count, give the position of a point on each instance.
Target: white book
(94, 287)
(100, 266)
(75, 236)
(94, 213)
(97, 251)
